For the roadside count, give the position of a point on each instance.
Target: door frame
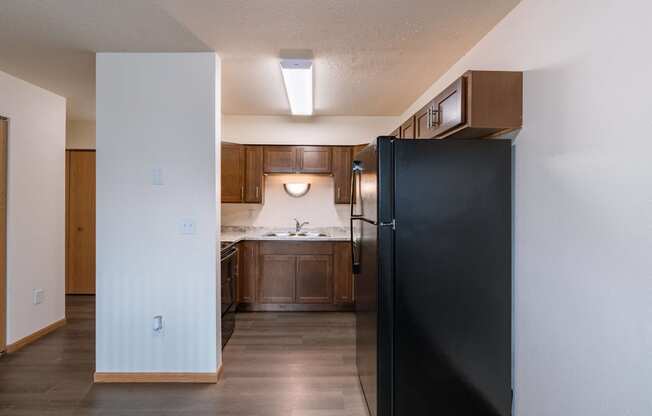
(4, 158)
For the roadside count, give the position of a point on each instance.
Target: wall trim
(23, 342)
(158, 377)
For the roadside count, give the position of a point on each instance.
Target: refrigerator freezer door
(452, 278)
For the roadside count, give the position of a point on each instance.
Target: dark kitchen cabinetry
(296, 275)
(407, 129)
(242, 173)
(479, 104)
(233, 162)
(343, 277)
(279, 159)
(313, 279)
(297, 159)
(253, 175)
(276, 282)
(342, 174)
(313, 159)
(248, 271)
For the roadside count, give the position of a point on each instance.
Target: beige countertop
(236, 234)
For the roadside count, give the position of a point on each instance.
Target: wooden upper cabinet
(342, 174)
(343, 275)
(253, 175)
(314, 159)
(408, 129)
(279, 159)
(396, 133)
(297, 159)
(358, 148)
(233, 163)
(479, 104)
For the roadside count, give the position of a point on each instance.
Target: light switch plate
(38, 296)
(188, 226)
(157, 177)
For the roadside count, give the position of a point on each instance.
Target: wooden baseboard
(11, 348)
(157, 377)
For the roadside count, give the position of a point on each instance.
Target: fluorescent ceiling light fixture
(297, 77)
(296, 190)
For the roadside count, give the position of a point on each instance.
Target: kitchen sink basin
(301, 234)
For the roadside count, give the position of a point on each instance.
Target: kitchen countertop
(236, 234)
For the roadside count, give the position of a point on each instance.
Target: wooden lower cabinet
(276, 283)
(248, 263)
(295, 276)
(314, 276)
(343, 282)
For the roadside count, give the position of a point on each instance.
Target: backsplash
(280, 209)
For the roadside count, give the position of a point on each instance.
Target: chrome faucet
(299, 225)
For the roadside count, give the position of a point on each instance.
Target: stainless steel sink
(301, 234)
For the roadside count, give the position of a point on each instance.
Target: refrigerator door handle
(356, 198)
(355, 258)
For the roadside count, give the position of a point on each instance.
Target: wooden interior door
(80, 222)
(3, 233)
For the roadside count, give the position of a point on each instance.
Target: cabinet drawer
(296, 247)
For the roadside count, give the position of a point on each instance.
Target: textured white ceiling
(372, 57)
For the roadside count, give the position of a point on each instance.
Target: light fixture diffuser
(296, 190)
(297, 77)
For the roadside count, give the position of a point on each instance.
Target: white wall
(317, 206)
(583, 203)
(36, 205)
(333, 130)
(80, 134)
(157, 111)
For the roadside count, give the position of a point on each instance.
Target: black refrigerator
(431, 241)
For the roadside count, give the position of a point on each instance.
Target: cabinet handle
(433, 117)
(257, 191)
(338, 193)
(242, 193)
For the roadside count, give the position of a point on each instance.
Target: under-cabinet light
(297, 77)
(296, 190)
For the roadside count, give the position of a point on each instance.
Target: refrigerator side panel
(385, 276)
(453, 278)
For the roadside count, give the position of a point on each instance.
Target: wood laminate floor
(285, 364)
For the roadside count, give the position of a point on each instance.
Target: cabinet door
(449, 108)
(396, 133)
(233, 161)
(314, 279)
(253, 174)
(343, 276)
(279, 159)
(277, 278)
(314, 159)
(407, 129)
(425, 122)
(248, 271)
(80, 250)
(342, 174)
